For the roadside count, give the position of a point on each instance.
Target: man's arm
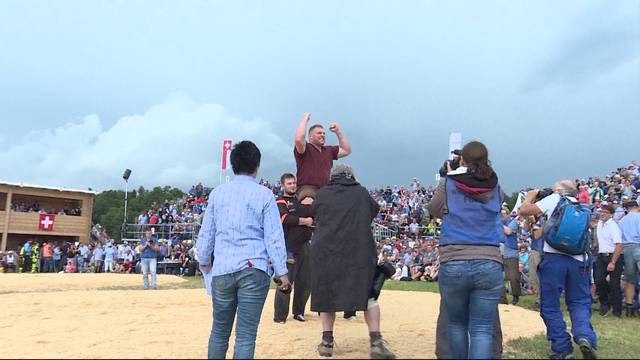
(274, 238)
(528, 207)
(207, 237)
(617, 239)
(343, 143)
(287, 219)
(298, 139)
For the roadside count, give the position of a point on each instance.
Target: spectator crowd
(412, 244)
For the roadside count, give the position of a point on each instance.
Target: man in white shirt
(560, 272)
(609, 263)
(84, 254)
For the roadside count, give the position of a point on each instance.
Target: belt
(606, 254)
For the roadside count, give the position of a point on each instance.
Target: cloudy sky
(89, 88)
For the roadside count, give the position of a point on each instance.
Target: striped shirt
(242, 229)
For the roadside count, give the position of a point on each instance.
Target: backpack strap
(445, 207)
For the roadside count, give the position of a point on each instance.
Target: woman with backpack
(468, 200)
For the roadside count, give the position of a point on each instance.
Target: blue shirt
(630, 227)
(148, 253)
(241, 228)
(98, 253)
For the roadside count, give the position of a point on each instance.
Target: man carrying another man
(297, 223)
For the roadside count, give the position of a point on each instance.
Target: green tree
(108, 208)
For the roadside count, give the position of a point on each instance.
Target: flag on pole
(226, 150)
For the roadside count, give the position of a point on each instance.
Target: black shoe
(617, 314)
(515, 300)
(630, 310)
(299, 317)
(604, 310)
(325, 349)
(587, 350)
(379, 350)
(561, 356)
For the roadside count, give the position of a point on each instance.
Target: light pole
(125, 176)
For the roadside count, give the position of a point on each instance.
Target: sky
(89, 88)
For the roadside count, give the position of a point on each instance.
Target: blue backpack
(567, 230)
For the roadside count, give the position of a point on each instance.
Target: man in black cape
(343, 258)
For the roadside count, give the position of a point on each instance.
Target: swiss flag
(46, 222)
(226, 149)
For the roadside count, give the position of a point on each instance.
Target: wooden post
(5, 234)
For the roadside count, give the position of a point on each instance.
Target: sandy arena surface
(176, 323)
(56, 282)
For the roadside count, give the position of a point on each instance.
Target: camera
(455, 163)
(543, 193)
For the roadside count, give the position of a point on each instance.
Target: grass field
(617, 338)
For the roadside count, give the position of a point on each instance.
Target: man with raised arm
(313, 159)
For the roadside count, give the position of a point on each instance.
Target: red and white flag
(226, 150)
(46, 222)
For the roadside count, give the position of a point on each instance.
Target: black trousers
(300, 280)
(609, 292)
(442, 336)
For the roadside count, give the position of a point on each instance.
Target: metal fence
(381, 232)
(176, 232)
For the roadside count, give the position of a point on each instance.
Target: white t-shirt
(609, 234)
(547, 205)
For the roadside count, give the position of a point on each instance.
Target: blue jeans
(559, 273)
(470, 290)
(245, 292)
(79, 263)
(47, 266)
(149, 265)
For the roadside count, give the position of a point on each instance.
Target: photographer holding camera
(148, 250)
(468, 200)
(564, 267)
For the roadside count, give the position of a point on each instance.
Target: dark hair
(608, 208)
(285, 177)
(476, 157)
(630, 205)
(313, 127)
(245, 158)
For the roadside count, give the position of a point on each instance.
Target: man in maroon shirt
(313, 159)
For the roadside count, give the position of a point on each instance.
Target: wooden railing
(2, 216)
(64, 225)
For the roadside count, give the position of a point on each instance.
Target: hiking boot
(604, 310)
(588, 352)
(325, 349)
(379, 350)
(299, 318)
(515, 300)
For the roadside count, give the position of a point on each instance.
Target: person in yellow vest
(35, 257)
(25, 256)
